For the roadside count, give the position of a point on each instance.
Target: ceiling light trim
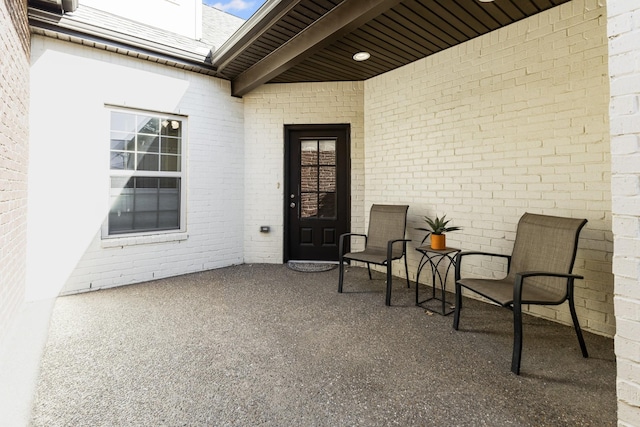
(361, 56)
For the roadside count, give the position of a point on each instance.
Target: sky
(242, 8)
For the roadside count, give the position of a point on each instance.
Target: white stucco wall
(69, 193)
(267, 110)
(512, 122)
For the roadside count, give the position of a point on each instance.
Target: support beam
(232, 48)
(344, 18)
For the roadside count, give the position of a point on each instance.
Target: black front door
(317, 192)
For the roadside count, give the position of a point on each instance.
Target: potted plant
(436, 229)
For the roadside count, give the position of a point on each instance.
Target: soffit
(314, 40)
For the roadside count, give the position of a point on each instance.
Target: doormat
(310, 267)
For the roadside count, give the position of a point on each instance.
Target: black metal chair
(384, 243)
(538, 273)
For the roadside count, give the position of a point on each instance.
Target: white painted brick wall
(14, 155)
(624, 73)
(512, 122)
(69, 179)
(267, 110)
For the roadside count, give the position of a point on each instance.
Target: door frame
(288, 130)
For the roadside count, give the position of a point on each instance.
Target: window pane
(169, 199)
(144, 204)
(121, 211)
(172, 127)
(170, 183)
(149, 125)
(119, 182)
(148, 143)
(327, 205)
(146, 199)
(170, 145)
(122, 201)
(170, 163)
(123, 141)
(122, 161)
(308, 205)
(146, 182)
(309, 153)
(120, 222)
(148, 162)
(327, 178)
(327, 152)
(309, 178)
(123, 122)
(143, 221)
(168, 220)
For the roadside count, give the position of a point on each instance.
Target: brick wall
(624, 72)
(267, 110)
(515, 121)
(14, 134)
(69, 180)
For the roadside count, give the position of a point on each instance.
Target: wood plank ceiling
(314, 40)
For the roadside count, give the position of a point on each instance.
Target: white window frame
(154, 236)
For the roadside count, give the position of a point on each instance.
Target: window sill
(116, 242)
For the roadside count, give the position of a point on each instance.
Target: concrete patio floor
(264, 345)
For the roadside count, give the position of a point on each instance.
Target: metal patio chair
(538, 273)
(384, 243)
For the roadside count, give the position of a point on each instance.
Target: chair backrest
(387, 222)
(545, 243)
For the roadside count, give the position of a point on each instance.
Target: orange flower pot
(438, 241)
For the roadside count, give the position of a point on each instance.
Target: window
(318, 179)
(146, 173)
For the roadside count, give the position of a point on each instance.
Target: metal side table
(434, 257)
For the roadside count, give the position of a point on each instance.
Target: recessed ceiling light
(361, 56)
(486, 1)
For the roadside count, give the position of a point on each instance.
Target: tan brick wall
(267, 109)
(624, 72)
(512, 122)
(14, 133)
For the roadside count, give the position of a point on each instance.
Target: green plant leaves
(437, 225)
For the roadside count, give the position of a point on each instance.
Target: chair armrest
(390, 247)
(519, 283)
(341, 241)
(548, 274)
(459, 256)
(353, 234)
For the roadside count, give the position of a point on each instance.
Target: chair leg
(341, 274)
(389, 276)
(576, 325)
(369, 269)
(456, 314)
(406, 271)
(517, 337)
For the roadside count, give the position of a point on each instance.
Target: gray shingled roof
(218, 26)
(104, 30)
